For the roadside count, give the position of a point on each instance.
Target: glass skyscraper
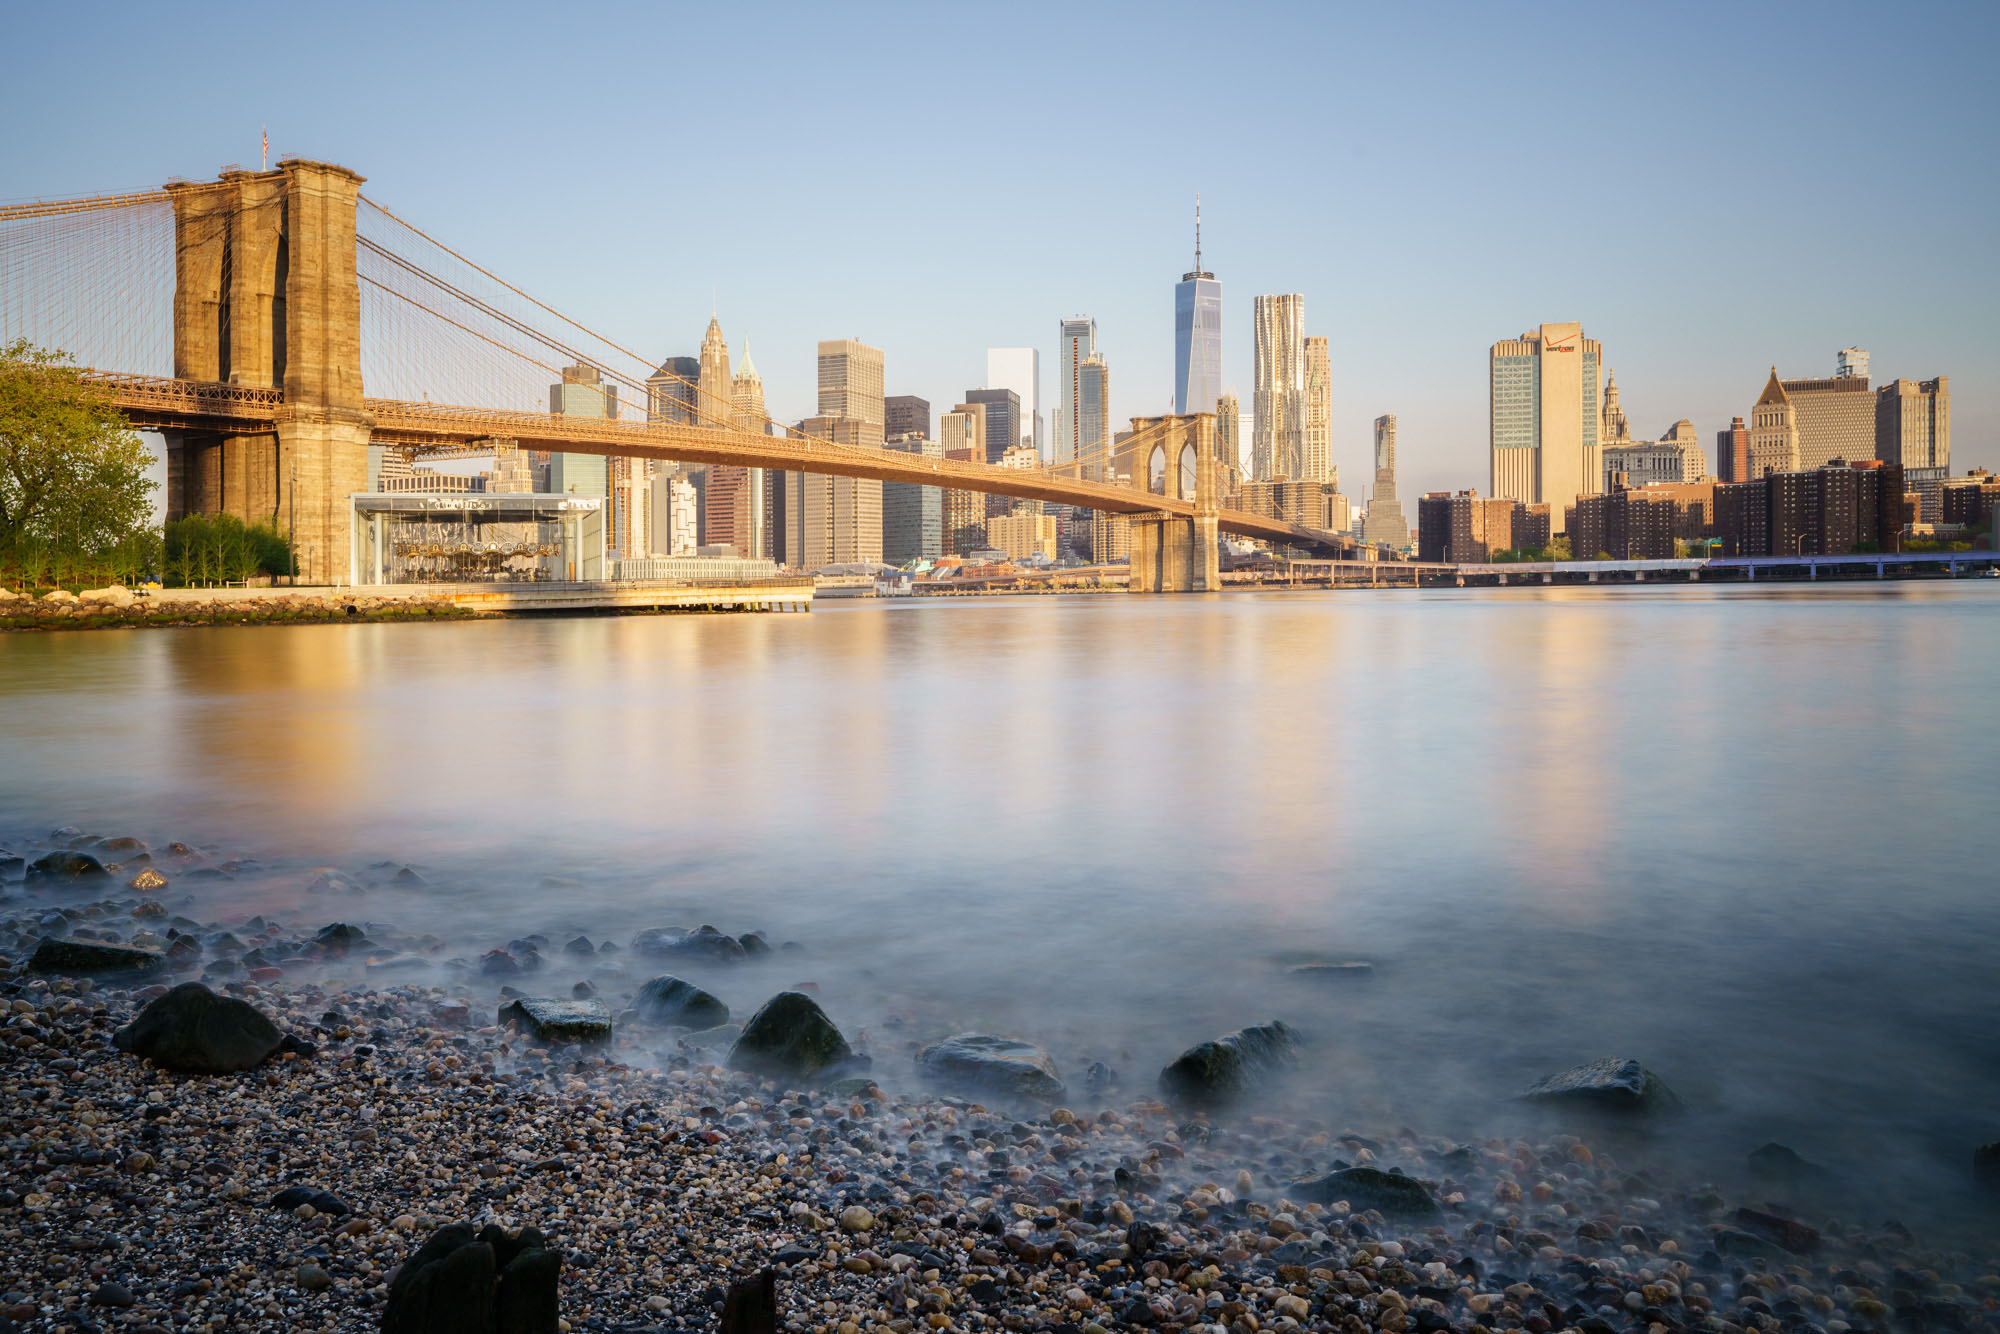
(1197, 334)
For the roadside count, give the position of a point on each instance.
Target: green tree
(73, 484)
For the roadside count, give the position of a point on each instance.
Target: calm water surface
(1745, 835)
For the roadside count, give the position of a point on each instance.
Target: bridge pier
(265, 294)
(1175, 553)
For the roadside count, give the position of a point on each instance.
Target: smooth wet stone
(559, 1020)
(1233, 1065)
(1334, 971)
(64, 866)
(1366, 1188)
(340, 937)
(1609, 1084)
(86, 958)
(1776, 1162)
(789, 1036)
(147, 880)
(112, 1294)
(982, 1063)
(678, 1003)
(195, 1031)
(704, 942)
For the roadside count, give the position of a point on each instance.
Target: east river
(1747, 836)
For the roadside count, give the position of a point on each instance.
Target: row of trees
(76, 504)
(204, 549)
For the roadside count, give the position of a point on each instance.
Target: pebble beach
(284, 1197)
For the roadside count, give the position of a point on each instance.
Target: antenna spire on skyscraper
(1197, 231)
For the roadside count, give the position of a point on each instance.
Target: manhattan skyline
(1415, 230)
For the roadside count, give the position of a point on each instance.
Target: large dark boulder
(492, 1282)
(559, 1021)
(1607, 1085)
(789, 1036)
(673, 942)
(1389, 1193)
(1231, 1066)
(670, 1000)
(61, 867)
(1986, 1167)
(751, 1305)
(93, 958)
(195, 1031)
(982, 1063)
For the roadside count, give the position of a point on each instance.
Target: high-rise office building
(1076, 343)
(1003, 419)
(912, 515)
(1544, 417)
(1774, 431)
(850, 384)
(675, 526)
(1383, 521)
(906, 416)
(1316, 435)
(582, 393)
(1093, 416)
(833, 520)
(964, 427)
(738, 497)
(1835, 416)
(1197, 334)
(1913, 431)
(1277, 433)
(670, 391)
(1732, 452)
(1020, 369)
(714, 399)
(1228, 436)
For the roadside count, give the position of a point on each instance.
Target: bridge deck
(162, 404)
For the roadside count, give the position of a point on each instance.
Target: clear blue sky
(1708, 188)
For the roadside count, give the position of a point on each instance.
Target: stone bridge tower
(1177, 553)
(265, 296)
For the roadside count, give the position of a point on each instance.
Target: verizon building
(1545, 417)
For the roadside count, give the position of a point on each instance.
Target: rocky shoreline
(118, 608)
(666, 1151)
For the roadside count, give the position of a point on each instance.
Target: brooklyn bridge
(246, 319)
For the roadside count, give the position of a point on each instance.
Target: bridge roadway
(152, 403)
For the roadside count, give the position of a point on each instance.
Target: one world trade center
(1197, 334)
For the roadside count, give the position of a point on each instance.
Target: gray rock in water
(704, 942)
(1986, 1167)
(1776, 1162)
(559, 1020)
(669, 1000)
(62, 866)
(1231, 1066)
(195, 1031)
(87, 958)
(1606, 1085)
(1388, 1193)
(789, 1036)
(979, 1062)
(1334, 972)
